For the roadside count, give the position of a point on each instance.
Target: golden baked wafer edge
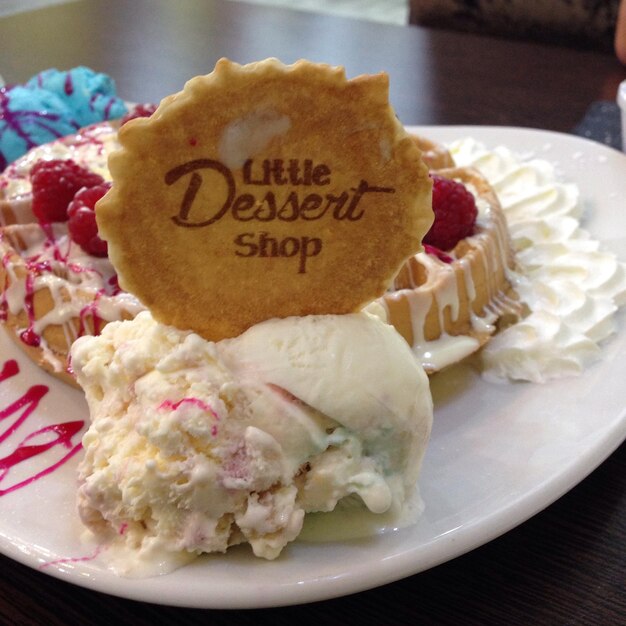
(342, 137)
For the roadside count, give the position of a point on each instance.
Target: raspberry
(455, 213)
(54, 184)
(82, 220)
(139, 110)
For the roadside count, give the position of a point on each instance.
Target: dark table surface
(566, 565)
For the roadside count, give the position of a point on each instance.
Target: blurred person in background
(583, 24)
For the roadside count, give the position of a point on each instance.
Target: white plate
(498, 454)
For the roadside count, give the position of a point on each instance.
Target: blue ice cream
(90, 95)
(28, 118)
(53, 104)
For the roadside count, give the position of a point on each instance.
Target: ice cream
(195, 446)
(91, 96)
(29, 117)
(51, 105)
(570, 284)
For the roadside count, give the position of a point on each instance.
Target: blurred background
(389, 11)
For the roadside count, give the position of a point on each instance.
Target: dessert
(446, 300)
(53, 291)
(253, 390)
(227, 427)
(195, 446)
(89, 148)
(565, 290)
(570, 286)
(51, 105)
(517, 183)
(55, 279)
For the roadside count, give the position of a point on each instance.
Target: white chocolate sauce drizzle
(570, 287)
(436, 280)
(83, 289)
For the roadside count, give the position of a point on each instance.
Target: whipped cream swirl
(571, 286)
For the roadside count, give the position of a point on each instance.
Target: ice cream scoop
(51, 105)
(30, 117)
(195, 446)
(90, 95)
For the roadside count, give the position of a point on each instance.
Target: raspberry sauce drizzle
(25, 449)
(197, 402)
(68, 85)
(4, 303)
(73, 559)
(29, 336)
(9, 369)
(36, 268)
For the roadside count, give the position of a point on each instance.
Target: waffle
(53, 292)
(435, 155)
(446, 305)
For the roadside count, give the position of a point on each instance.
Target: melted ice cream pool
(572, 286)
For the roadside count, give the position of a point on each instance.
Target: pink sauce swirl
(197, 402)
(73, 559)
(63, 434)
